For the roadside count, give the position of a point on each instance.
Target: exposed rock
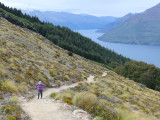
(75, 112)
(82, 114)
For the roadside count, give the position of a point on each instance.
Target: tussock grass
(24, 62)
(23, 87)
(99, 98)
(40, 77)
(62, 96)
(58, 82)
(59, 96)
(66, 78)
(98, 118)
(115, 98)
(77, 98)
(52, 95)
(10, 85)
(52, 73)
(2, 71)
(14, 99)
(11, 60)
(2, 50)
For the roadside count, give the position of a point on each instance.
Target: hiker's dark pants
(39, 93)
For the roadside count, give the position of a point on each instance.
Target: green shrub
(53, 95)
(40, 77)
(68, 100)
(2, 50)
(66, 78)
(52, 73)
(14, 99)
(1, 97)
(11, 111)
(124, 115)
(80, 84)
(31, 82)
(58, 82)
(11, 117)
(106, 112)
(98, 118)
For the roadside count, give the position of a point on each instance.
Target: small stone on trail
(75, 112)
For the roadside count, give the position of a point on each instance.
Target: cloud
(94, 7)
(18, 5)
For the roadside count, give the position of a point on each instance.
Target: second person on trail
(40, 87)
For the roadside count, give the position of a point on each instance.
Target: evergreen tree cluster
(141, 72)
(67, 39)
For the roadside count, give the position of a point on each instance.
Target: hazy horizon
(91, 7)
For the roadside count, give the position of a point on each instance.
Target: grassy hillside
(142, 28)
(68, 39)
(26, 58)
(64, 38)
(114, 98)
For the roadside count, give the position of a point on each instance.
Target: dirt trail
(49, 109)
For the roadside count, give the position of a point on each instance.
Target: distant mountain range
(114, 24)
(142, 28)
(73, 21)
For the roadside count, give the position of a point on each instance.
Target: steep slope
(72, 21)
(114, 24)
(142, 28)
(26, 58)
(112, 97)
(64, 37)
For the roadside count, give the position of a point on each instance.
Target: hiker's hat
(39, 82)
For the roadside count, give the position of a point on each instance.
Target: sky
(117, 8)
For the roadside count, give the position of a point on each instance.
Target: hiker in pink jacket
(40, 87)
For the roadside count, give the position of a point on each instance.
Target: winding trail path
(49, 109)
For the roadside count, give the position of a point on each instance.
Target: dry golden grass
(23, 88)
(10, 86)
(2, 71)
(27, 57)
(128, 98)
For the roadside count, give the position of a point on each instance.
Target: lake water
(145, 53)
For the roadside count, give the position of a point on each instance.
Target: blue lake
(145, 53)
